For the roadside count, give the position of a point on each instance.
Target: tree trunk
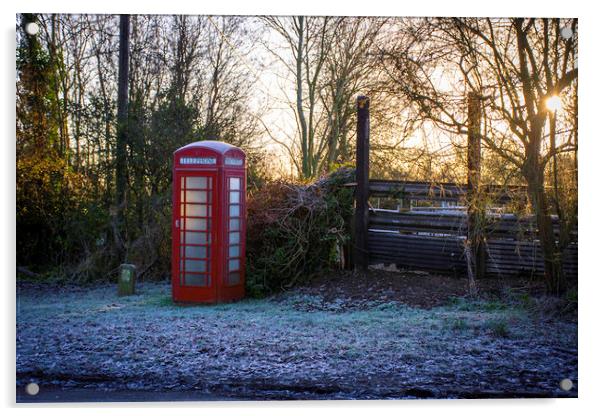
(476, 210)
(122, 121)
(552, 257)
(305, 162)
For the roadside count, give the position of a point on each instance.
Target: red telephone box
(209, 222)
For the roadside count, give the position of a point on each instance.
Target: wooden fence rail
(441, 191)
(455, 223)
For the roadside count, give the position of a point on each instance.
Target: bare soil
(414, 288)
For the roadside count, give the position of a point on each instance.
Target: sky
(275, 94)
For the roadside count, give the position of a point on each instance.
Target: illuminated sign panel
(231, 161)
(197, 161)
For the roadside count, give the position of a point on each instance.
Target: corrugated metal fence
(435, 239)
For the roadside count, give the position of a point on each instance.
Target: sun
(554, 103)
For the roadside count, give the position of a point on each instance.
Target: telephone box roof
(219, 147)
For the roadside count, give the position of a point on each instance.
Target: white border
(590, 152)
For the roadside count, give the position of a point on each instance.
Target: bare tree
(516, 65)
(349, 72)
(328, 60)
(308, 40)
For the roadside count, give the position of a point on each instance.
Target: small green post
(127, 280)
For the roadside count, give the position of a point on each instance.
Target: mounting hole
(566, 33)
(566, 384)
(32, 389)
(32, 28)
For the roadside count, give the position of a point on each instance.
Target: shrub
(296, 231)
(56, 218)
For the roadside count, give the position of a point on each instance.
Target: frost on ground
(296, 345)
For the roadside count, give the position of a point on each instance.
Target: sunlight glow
(554, 103)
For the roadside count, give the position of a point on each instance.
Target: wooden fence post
(475, 214)
(362, 173)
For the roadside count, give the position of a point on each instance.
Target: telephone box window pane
(233, 264)
(234, 238)
(196, 224)
(235, 210)
(195, 251)
(234, 197)
(196, 210)
(199, 266)
(195, 279)
(233, 278)
(197, 196)
(181, 210)
(234, 224)
(235, 184)
(197, 238)
(196, 182)
(234, 251)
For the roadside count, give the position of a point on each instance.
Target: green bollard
(126, 284)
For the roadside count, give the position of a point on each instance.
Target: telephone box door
(194, 237)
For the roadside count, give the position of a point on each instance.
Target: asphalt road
(55, 394)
